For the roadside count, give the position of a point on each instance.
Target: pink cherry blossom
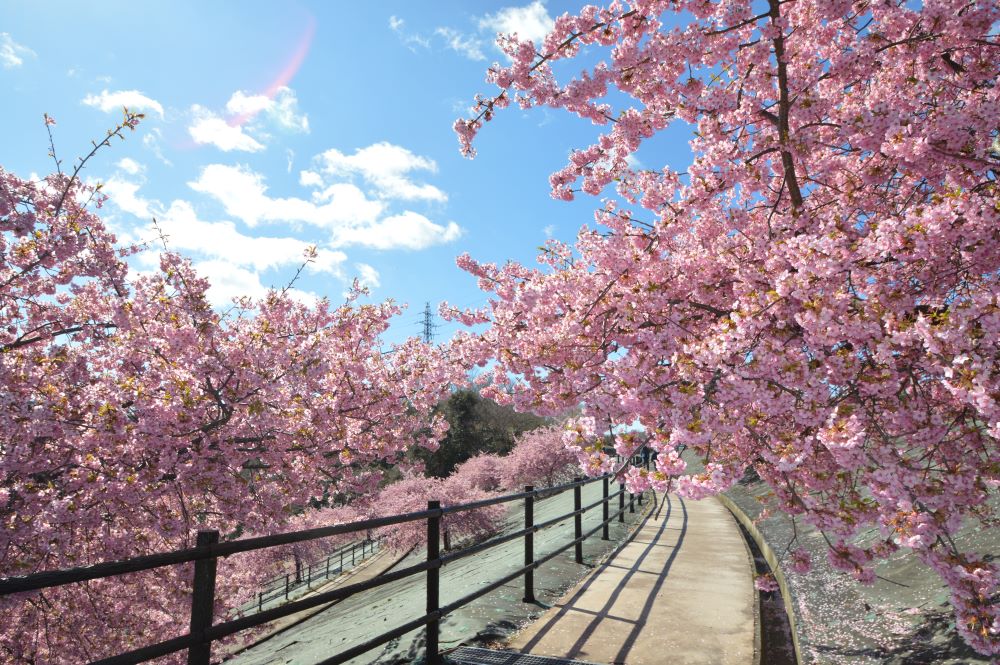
(815, 297)
(133, 414)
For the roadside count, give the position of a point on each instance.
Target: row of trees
(132, 415)
(539, 457)
(815, 297)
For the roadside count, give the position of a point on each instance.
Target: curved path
(680, 592)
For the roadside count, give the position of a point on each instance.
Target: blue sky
(272, 126)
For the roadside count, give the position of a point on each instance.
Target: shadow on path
(604, 613)
(681, 585)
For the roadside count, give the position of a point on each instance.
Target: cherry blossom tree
(411, 495)
(815, 297)
(132, 414)
(484, 471)
(539, 458)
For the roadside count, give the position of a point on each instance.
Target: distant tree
(483, 471)
(476, 424)
(540, 458)
(412, 493)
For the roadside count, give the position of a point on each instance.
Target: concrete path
(679, 593)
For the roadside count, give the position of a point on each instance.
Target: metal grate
(477, 656)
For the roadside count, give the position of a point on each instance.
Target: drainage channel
(775, 630)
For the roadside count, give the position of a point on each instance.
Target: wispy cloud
(411, 40)
(151, 139)
(469, 46)
(134, 100)
(13, 54)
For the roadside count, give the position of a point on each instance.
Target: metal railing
(198, 641)
(333, 565)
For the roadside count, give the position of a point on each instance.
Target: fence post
(604, 530)
(640, 497)
(578, 520)
(529, 544)
(433, 578)
(341, 571)
(631, 502)
(260, 602)
(621, 502)
(287, 584)
(352, 554)
(203, 601)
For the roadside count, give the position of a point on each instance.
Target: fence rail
(198, 641)
(334, 564)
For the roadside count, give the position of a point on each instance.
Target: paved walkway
(679, 593)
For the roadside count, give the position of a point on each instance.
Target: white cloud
(243, 194)
(282, 109)
(125, 194)
(12, 54)
(396, 23)
(228, 281)
(232, 261)
(210, 129)
(407, 230)
(133, 99)
(549, 230)
(470, 47)
(241, 103)
(386, 167)
(530, 22)
(310, 179)
(351, 217)
(367, 275)
(130, 166)
(223, 241)
(249, 114)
